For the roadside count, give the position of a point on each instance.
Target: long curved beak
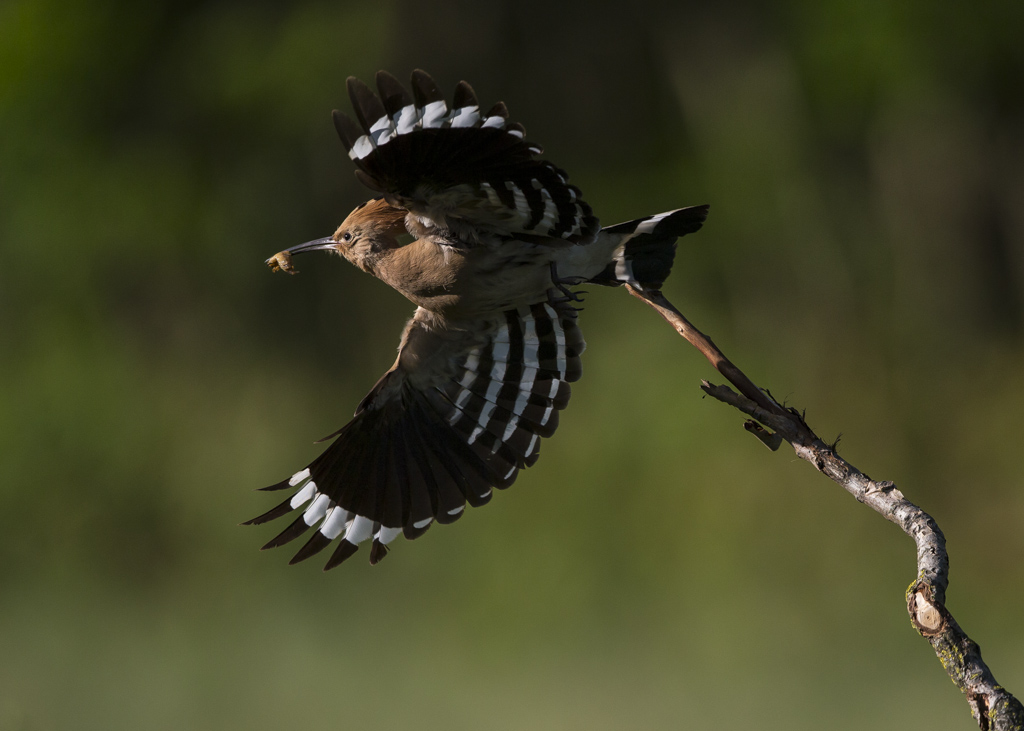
(282, 260)
(318, 244)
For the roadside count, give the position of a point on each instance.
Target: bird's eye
(346, 236)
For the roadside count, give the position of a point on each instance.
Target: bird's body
(458, 282)
(484, 239)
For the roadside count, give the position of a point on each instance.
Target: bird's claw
(562, 284)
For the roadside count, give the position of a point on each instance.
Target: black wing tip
(313, 546)
(342, 553)
(392, 93)
(282, 485)
(498, 110)
(386, 78)
(425, 90)
(421, 76)
(259, 519)
(347, 128)
(288, 535)
(368, 107)
(377, 552)
(273, 514)
(464, 96)
(356, 86)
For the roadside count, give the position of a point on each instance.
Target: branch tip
(769, 439)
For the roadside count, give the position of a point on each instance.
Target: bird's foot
(562, 284)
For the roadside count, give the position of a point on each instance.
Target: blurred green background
(864, 259)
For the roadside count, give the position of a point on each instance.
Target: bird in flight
(486, 238)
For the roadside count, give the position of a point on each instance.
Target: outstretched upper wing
(458, 166)
(463, 413)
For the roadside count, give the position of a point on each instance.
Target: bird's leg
(562, 284)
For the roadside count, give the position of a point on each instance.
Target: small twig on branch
(992, 706)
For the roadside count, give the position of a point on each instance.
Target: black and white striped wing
(416, 455)
(458, 165)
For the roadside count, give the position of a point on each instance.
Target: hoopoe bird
(486, 239)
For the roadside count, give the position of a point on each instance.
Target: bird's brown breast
(468, 283)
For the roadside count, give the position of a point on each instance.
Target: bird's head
(372, 228)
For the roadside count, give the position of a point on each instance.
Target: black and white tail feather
(647, 247)
(414, 456)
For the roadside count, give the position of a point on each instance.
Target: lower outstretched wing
(460, 415)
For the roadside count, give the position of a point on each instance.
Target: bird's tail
(643, 257)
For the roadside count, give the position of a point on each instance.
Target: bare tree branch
(992, 706)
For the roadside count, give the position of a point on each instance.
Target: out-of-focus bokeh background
(658, 568)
